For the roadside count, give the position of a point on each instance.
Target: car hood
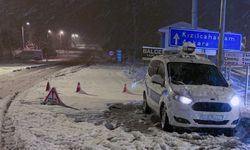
(204, 92)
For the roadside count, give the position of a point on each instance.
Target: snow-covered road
(19, 79)
(95, 125)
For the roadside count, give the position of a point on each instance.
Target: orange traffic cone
(125, 88)
(78, 88)
(48, 86)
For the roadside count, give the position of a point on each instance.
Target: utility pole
(194, 14)
(134, 4)
(220, 52)
(22, 28)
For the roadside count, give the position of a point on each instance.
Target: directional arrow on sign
(176, 38)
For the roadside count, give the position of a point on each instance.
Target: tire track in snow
(7, 139)
(18, 82)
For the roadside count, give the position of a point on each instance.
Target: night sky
(113, 24)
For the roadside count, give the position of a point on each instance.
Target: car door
(158, 88)
(152, 69)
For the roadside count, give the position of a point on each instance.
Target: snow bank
(37, 129)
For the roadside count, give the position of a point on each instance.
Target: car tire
(146, 108)
(165, 121)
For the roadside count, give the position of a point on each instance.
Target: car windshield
(195, 74)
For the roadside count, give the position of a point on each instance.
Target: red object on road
(48, 86)
(78, 88)
(52, 98)
(125, 88)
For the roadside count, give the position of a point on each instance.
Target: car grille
(212, 107)
(208, 122)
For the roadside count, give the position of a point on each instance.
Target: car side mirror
(157, 79)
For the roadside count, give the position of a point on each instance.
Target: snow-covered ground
(50, 127)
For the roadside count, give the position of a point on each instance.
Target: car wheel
(146, 108)
(164, 120)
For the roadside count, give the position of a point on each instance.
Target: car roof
(179, 56)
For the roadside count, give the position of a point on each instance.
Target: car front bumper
(182, 115)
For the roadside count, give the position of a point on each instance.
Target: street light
(61, 32)
(23, 40)
(75, 36)
(74, 39)
(49, 32)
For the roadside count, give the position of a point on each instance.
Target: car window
(161, 70)
(153, 67)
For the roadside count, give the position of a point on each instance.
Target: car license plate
(212, 117)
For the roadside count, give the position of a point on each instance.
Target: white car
(188, 91)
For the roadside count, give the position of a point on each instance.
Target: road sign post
(246, 88)
(229, 73)
(222, 34)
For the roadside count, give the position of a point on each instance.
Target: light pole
(49, 33)
(47, 44)
(194, 14)
(61, 33)
(23, 39)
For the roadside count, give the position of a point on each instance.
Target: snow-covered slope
(100, 85)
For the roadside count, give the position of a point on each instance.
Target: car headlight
(184, 100)
(235, 101)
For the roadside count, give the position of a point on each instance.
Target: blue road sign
(203, 39)
(119, 56)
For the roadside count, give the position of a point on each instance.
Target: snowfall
(53, 127)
